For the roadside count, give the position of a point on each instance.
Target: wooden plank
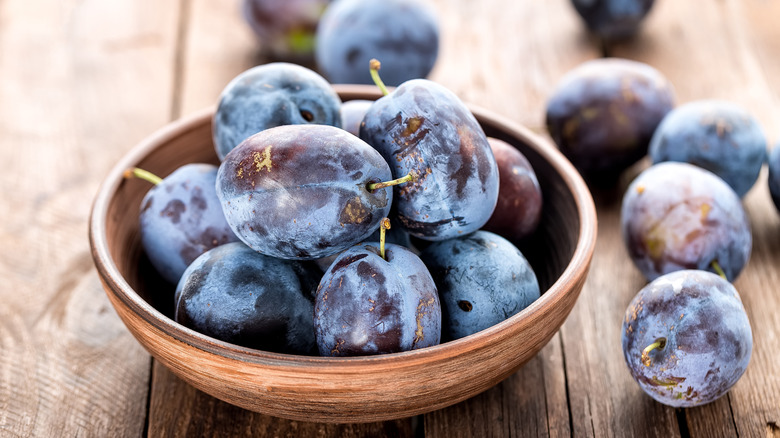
(218, 46)
(603, 398)
(531, 402)
(70, 106)
(508, 56)
(184, 411)
(728, 50)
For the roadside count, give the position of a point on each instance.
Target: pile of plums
(686, 337)
(301, 240)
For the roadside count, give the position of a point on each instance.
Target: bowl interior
(549, 250)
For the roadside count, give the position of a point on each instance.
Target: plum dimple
(300, 191)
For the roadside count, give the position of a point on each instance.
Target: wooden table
(81, 82)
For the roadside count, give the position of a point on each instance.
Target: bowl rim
(575, 270)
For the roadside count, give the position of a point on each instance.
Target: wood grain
(82, 81)
(70, 106)
(507, 56)
(725, 54)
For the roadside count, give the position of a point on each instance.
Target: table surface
(81, 82)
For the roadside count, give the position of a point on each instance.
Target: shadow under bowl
(339, 390)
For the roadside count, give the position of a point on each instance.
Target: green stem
(375, 65)
(659, 343)
(383, 227)
(142, 174)
(718, 270)
(380, 185)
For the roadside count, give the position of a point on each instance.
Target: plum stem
(375, 65)
(142, 174)
(659, 343)
(380, 185)
(718, 270)
(384, 225)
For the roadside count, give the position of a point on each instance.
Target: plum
(286, 28)
(238, 295)
(678, 216)
(422, 128)
(402, 33)
(302, 191)
(717, 135)
(774, 175)
(370, 304)
(613, 19)
(686, 338)
(181, 218)
(603, 113)
(272, 95)
(519, 206)
(482, 280)
(352, 113)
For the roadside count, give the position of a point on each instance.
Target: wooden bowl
(324, 389)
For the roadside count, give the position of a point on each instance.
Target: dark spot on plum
(307, 115)
(367, 271)
(465, 306)
(412, 125)
(174, 210)
(427, 228)
(147, 204)
(353, 55)
(346, 261)
(354, 212)
(198, 200)
(395, 121)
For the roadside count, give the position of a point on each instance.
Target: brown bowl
(325, 389)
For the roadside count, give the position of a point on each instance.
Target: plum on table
(285, 28)
(613, 19)
(402, 33)
(774, 175)
(686, 338)
(603, 113)
(678, 216)
(719, 136)
(352, 113)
